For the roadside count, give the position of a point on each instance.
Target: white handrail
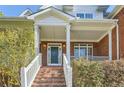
(67, 71)
(28, 73)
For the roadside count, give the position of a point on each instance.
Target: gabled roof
(55, 10)
(27, 12)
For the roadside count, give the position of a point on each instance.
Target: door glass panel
(60, 55)
(54, 55)
(49, 55)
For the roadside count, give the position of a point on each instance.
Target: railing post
(40, 59)
(67, 72)
(23, 77)
(110, 45)
(70, 75)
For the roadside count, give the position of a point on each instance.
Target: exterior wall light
(63, 45)
(44, 45)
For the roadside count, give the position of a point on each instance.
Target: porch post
(68, 42)
(110, 45)
(117, 40)
(37, 39)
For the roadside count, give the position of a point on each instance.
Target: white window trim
(84, 13)
(87, 48)
(54, 45)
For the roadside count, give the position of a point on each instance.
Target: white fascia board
(95, 20)
(39, 13)
(64, 40)
(23, 13)
(50, 9)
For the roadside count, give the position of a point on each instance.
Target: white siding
(88, 9)
(81, 9)
(51, 19)
(56, 6)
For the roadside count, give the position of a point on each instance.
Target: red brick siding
(120, 17)
(102, 47)
(44, 50)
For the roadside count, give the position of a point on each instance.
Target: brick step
(50, 77)
(48, 85)
(49, 80)
(52, 73)
(39, 77)
(53, 68)
(47, 71)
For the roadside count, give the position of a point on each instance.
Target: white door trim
(59, 45)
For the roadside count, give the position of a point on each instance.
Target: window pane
(82, 52)
(90, 51)
(81, 15)
(88, 15)
(76, 52)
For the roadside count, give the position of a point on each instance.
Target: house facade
(77, 31)
(65, 32)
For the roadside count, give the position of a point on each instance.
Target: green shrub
(114, 74)
(87, 74)
(16, 50)
(92, 74)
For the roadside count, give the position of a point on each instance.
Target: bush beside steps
(98, 74)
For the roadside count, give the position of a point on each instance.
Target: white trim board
(59, 59)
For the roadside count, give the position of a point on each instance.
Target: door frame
(59, 45)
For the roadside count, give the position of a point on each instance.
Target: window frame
(87, 46)
(85, 15)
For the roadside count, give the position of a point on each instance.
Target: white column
(23, 77)
(37, 39)
(117, 40)
(68, 42)
(110, 45)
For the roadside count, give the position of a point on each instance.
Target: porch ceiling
(101, 25)
(91, 30)
(53, 33)
(81, 31)
(58, 33)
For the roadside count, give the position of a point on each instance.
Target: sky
(110, 8)
(16, 10)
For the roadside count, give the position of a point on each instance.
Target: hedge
(98, 74)
(16, 50)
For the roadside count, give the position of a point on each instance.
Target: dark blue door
(54, 55)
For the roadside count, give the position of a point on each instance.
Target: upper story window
(80, 15)
(85, 15)
(89, 16)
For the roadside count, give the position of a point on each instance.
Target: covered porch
(59, 36)
(91, 39)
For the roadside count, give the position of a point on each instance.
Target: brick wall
(120, 17)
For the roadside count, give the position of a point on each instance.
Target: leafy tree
(1, 14)
(16, 50)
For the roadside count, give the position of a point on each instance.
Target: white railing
(28, 73)
(99, 58)
(67, 71)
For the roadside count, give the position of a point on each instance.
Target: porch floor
(50, 77)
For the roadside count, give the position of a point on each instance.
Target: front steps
(50, 77)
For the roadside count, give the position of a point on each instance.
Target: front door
(54, 56)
